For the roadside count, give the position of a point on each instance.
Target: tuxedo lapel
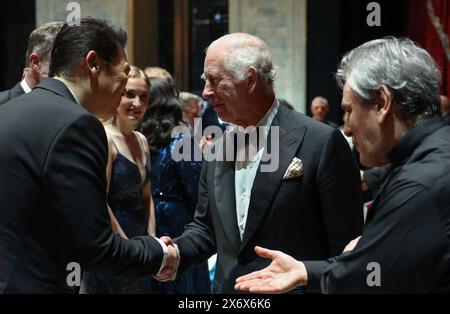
(267, 184)
(225, 196)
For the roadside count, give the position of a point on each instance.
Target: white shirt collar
(267, 120)
(25, 86)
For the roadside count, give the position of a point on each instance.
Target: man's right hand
(169, 272)
(167, 240)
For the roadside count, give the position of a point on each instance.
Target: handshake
(169, 272)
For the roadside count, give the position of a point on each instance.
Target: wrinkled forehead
(214, 63)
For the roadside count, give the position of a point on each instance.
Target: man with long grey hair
(391, 105)
(310, 204)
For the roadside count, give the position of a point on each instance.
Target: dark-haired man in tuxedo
(53, 162)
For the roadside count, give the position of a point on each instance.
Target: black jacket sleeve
(75, 184)
(4, 97)
(198, 241)
(396, 254)
(315, 270)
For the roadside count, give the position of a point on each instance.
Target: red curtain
(421, 30)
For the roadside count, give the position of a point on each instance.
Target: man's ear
(92, 62)
(385, 105)
(253, 78)
(34, 61)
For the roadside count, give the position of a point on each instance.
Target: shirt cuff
(174, 276)
(165, 254)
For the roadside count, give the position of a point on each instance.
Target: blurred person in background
(320, 109)
(37, 60)
(175, 183)
(191, 107)
(152, 72)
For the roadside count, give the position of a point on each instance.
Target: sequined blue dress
(175, 188)
(125, 199)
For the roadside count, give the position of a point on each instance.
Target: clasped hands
(169, 272)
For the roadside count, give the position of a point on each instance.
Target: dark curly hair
(163, 114)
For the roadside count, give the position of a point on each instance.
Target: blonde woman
(130, 201)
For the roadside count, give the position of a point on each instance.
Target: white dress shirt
(25, 86)
(245, 171)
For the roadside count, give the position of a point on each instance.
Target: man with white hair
(310, 205)
(391, 106)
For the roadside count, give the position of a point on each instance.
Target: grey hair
(245, 51)
(408, 71)
(41, 40)
(187, 98)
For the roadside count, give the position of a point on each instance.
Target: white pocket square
(294, 170)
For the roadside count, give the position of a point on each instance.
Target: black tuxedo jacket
(314, 215)
(9, 94)
(53, 197)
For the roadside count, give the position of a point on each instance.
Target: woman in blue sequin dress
(128, 174)
(174, 184)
